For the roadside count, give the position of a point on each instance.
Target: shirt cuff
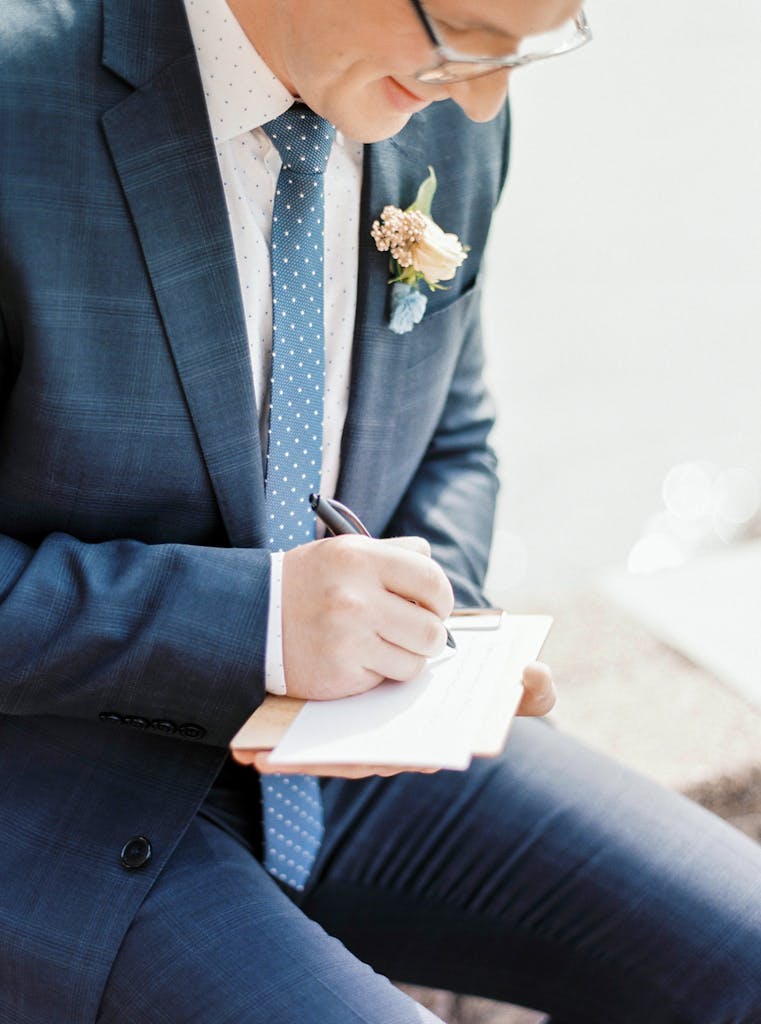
(274, 672)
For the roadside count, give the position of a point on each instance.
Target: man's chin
(377, 112)
(376, 127)
(368, 135)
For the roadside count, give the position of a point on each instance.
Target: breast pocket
(435, 342)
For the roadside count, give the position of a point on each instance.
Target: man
(144, 604)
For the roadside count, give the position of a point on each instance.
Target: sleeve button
(163, 725)
(136, 852)
(110, 716)
(135, 721)
(191, 731)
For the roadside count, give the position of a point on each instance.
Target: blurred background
(623, 317)
(623, 298)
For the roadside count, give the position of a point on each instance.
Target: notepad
(458, 708)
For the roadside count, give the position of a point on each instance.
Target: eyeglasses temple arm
(425, 22)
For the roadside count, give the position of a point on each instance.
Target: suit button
(163, 725)
(135, 721)
(136, 852)
(110, 716)
(191, 731)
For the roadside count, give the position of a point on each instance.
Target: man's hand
(358, 610)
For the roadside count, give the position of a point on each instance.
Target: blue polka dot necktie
(293, 824)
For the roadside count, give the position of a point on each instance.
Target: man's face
(354, 61)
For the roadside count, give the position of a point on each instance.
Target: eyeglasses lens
(566, 37)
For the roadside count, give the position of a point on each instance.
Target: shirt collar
(241, 91)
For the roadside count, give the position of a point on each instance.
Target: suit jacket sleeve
(165, 633)
(170, 633)
(119, 590)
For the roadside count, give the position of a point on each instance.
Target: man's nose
(481, 98)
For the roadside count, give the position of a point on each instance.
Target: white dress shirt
(242, 94)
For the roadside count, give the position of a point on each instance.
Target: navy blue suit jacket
(133, 574)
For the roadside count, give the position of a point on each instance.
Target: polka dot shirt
(241, 95)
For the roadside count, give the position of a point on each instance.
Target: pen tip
(314, 501)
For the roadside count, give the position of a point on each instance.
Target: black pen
(340, 520)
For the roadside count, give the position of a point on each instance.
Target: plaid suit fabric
(134, 579)
(133, 566)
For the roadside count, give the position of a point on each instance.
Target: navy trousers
(551, 877)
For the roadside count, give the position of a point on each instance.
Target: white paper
(484, 620)
(430, 721)
(529, 634)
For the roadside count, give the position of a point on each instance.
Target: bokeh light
(688, 490)
(655, 551)
(704, 505)
(736, 496)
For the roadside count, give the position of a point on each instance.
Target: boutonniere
(420, 251)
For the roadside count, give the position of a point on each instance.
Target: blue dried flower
(407, 307)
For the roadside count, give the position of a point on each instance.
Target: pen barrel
(330, 516)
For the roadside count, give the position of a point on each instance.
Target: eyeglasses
(453, 66)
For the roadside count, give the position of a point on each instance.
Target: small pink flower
(417, 242)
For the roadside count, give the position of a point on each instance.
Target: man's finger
(417, 579)
(418, 544)
(538, 690)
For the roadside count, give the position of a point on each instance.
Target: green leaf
(404, 275)
(425, 194)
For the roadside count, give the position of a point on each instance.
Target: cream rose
(438, 255)
(420, 252)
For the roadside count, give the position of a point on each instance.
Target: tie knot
(302, 138)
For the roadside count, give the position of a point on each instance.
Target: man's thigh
(217, 942)
(551, 877)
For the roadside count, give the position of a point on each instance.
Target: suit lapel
(163, 153)
(161, 146)
(392, 172)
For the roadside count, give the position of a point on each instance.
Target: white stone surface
(709, 609)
